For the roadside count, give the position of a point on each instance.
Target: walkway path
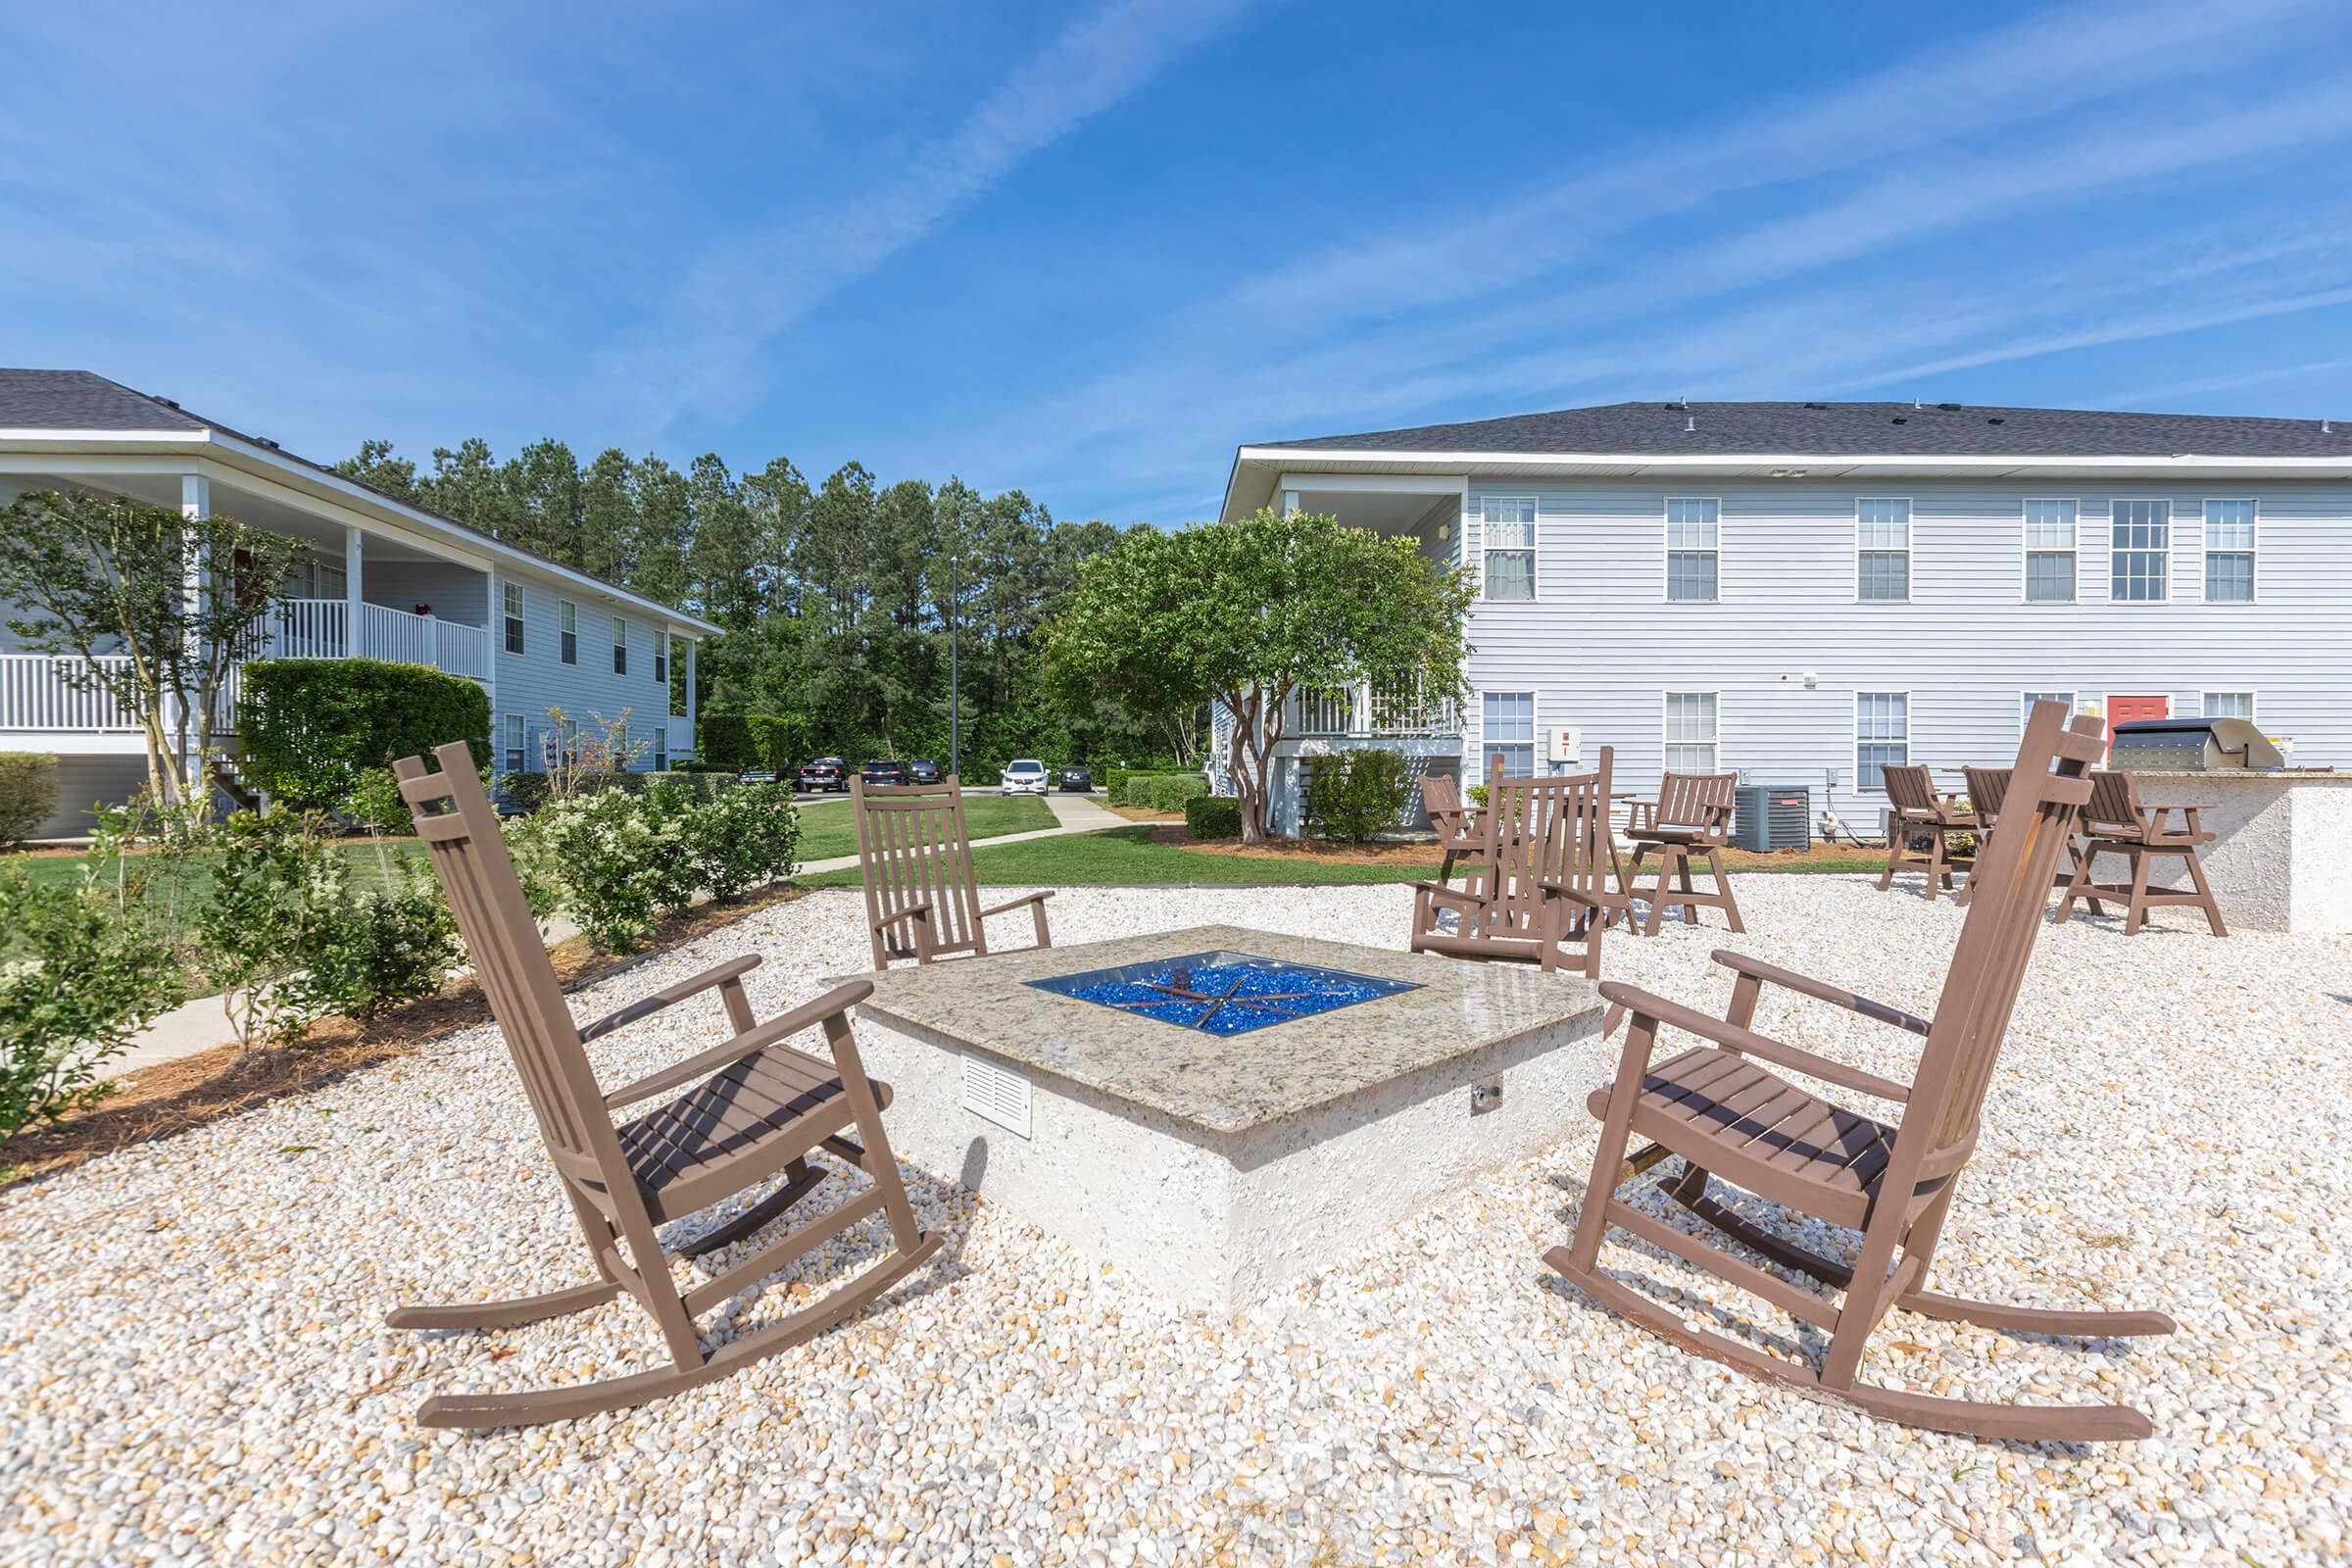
(199, 1024)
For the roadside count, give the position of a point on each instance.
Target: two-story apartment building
(1800, 592)
(385, 579)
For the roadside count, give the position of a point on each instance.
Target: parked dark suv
(825, 773)
(1075, 781)
(921, 771)
(884, 770)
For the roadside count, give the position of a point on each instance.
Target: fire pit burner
(1222, 993)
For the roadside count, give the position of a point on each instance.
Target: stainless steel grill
(2190, 744)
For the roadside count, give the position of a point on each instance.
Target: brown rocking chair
(1455, 823)
(2116, 823)
(1541, 878)
(1917, 811)
(755, 1109)
(922, 897)
(1692, 815)
(1727, 1115)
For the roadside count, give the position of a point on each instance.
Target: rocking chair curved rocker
(756, 1109)
(1728, 1116)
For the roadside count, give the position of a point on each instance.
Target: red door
(2124, 710)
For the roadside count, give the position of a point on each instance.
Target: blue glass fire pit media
(1222, 993)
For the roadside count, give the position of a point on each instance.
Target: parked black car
(921, 771)
(884, 770)
(825, 773)
(1074, 781)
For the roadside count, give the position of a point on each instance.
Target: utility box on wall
(1567, 745)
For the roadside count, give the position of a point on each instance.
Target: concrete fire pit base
(1218, 1170)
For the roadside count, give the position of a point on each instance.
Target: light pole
(955, 685)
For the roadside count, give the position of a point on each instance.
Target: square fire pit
(1217, 1111)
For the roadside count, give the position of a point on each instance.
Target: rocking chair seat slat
(735, 1127)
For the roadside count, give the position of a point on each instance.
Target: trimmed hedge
(308, 728)
(1356, 794)
(1165, 791)
(1213, 816)
(742, 742)
(28, 794)
(527, 792)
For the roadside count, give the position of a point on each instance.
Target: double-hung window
(1691, 732)
(1509, 525)
(2025, 706)
(661, 657)
(567, 622)
(510, 596)
(2050, 550)
(1882, 735)
(1694, 534)
(2227, 705)
(1883, 550)
(2229, 551)
(1507, 729)
(660, 747)
(511, 743)
(2138, 567)
(620, 645)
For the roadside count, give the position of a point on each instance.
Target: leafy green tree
(376, 465)
(468, 486)
(664, 531)
(1245, 614)
(543, 484)
(723, 559)
(608, 516)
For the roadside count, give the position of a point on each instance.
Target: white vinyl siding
(1882, 551)
(1694, 546)
(2140, 551)
(511, 606)
(2227, 705)
(1507, 728)
(1510, 534)
(2052, 536)
(2229, 551)
(1691, 732)
(1882, 735)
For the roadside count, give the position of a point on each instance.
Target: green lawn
(1126, 857)
(826, 831)
(367, 871)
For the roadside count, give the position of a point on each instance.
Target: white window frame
(510, 616)
(2253, 698)
(1533, 550)
(2026, 700)
(1534, 741)
(660, 751)
(1713, 743)
(568, 631)
(1864, 786)
(2252, 552)
(1909, 553)
(2114, 550)
(2029, 550)
(1668, 549)
(661, 656)
(620, 645)
(512, 740)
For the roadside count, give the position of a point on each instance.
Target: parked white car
(1023, 775)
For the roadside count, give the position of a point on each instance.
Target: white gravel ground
(193, 1368)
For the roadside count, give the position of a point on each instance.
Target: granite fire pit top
(1230, 1084)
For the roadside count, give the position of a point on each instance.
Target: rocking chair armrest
(1451, 895)
(1014, 904)
(913, 911)
(1746, 1042)
(1806, 985)
(669, 996)
(1591, 898)
(841, 999)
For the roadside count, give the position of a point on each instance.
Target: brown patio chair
(1454, 822)
(1721, 1109)
(922, 897)
(1539, 882)
(1986, 787)
(1920, 812)
(1692, 814)
(753, 1110)
(2116, 823)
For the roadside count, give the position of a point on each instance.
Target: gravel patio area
(193, 1368)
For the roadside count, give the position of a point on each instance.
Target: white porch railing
(460, 649)
(1365, 710)
(39, 692)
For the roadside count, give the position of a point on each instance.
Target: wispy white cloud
(2174, 391)
(703, 352)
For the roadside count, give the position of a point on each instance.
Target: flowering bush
(83, 980)
(743, 838)
(274, 881)
(374, 952)
(621, 861)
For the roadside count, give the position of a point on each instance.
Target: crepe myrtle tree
(177, 601)
(1246, 613)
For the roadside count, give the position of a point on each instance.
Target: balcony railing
(1365, 710)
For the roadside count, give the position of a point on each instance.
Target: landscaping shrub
(27, 795)
(1164, 792)
(743, 839)
(622, 867)
(524, 791)
(724, 740)
(274, 877)
(389, 946)
(375, 802)
(1356, 794)
(309, 727)
(1213, 816)
(772, 742)
(86, 978)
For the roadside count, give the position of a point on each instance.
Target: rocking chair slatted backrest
(1986, 788)
(2010, 894)
(1910, 788)
(1440, 798)
(914, 851)
(1702, 801)
(2114, 804)
(1539, 830)
(459, 830)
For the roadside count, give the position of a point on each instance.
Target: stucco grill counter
(1103, 1093)
(2283, 846)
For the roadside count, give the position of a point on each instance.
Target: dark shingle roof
(76, 399)
(1857, 429)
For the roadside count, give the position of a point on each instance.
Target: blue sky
(1088, 249)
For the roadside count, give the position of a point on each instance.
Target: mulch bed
(188, 1091)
